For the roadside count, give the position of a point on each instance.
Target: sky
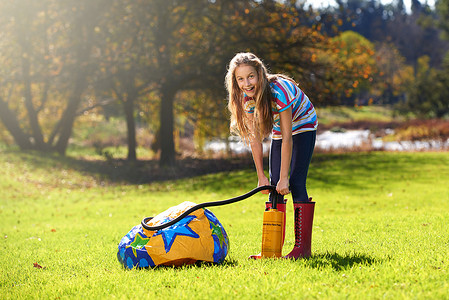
(325, 3)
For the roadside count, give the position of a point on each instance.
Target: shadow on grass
(326, 171)
(340, 262)
(134, 172)
(228, 263)
(320, 261)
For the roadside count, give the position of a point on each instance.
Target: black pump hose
(206, 204)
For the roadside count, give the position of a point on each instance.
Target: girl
(260, 104)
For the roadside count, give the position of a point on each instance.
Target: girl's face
(247, 79)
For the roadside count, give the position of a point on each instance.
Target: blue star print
(169, 234)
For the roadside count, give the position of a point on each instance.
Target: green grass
(346, 114)
(380, 231)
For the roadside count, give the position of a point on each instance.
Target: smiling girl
(262, 104)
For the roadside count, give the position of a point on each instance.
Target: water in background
(349, 139)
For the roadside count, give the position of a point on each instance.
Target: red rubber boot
(303, 230)
(280, 207)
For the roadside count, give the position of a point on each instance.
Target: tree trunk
(68, 118)
(32, 114)
(11, 123)
(25, 45)
(80, 82)
(166, 137)
(128, 107)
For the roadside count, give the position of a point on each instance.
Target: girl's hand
(282, 187)
(264, 181)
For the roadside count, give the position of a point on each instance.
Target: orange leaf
(36, 265)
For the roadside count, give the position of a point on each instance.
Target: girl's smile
(247, 79)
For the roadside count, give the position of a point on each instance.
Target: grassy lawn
(345, 114)
(380, 231)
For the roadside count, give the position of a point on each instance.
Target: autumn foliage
(162, 63)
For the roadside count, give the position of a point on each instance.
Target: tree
(394, 74)
(153, 53)
(387, 23)
(52, 43)
(427, 96)
(196, 40)
(352, 70)
(125, 60)
(181, 49)
(443, 12)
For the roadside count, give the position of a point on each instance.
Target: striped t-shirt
(286, 93)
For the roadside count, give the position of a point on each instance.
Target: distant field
(380, 231)
(345, 114)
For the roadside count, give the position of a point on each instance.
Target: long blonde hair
(262, 122)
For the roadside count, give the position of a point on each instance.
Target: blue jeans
(302, 150)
